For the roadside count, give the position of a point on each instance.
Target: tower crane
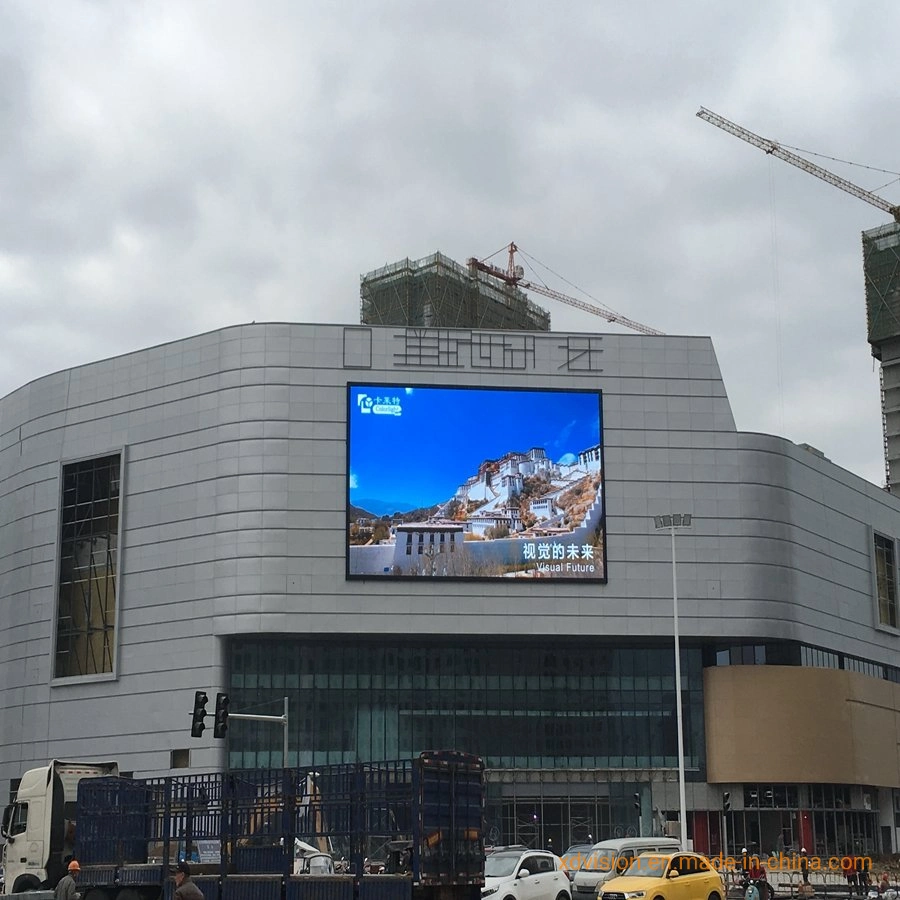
(881, 266)
(514, 276)
(773, 148)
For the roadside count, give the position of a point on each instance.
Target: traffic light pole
(249, 717)
(726, 806)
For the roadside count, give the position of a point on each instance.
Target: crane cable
(490, 256)
(776, 291)
(537, 277)
(848, 162)
(599, 303)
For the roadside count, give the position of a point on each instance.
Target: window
(180, 759)
(864, 667)
(814, 657)
(19, 821)
(741, 655)
(830, 796)
(88, 568)
(885, 581)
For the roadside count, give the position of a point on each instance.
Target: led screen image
(460, 482)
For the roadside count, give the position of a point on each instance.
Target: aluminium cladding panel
(234, 516)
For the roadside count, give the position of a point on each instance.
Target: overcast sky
(171, 167)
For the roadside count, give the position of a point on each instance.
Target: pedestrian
(804, 865)
(65, 890)
(861, 865)
(848, 867)
(185, 889)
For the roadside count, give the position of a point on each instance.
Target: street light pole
(671, 522)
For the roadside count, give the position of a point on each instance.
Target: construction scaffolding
(881, 266)
(437, 292)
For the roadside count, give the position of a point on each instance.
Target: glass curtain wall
(518, 705)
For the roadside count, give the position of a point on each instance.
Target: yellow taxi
(666, 876)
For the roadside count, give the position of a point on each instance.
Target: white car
(521, 874)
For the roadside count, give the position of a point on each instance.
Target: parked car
(522, 874)
(613, 857)
(666, 876)
(574, 857)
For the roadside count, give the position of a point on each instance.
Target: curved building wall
(233, 517)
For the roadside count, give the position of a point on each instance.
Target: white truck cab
(39, 825)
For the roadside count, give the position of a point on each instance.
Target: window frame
(113, 675)
(893, 603)
(18, 820)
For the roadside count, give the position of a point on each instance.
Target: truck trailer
(395, 830)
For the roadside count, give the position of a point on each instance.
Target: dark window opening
(886, 581)
(88, 567)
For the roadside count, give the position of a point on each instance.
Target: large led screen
(461, 482)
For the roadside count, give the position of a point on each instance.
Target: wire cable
(845, 162)
(776, 292)
(593, 299)
(504, 247)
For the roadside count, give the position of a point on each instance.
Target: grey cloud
(169, 168)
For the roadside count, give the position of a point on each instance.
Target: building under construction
(437, 292)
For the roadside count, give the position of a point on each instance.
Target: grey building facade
(175, 519)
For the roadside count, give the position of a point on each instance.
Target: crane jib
(773, 148)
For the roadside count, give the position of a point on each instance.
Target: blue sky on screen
(442, 435)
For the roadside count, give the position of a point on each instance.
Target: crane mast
(773, 148)
(514, 276)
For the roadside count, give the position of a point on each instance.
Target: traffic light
(220, 723)
(637, 800)
(199, 714)
(726, 801)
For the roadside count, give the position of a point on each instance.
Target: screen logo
(379, 406)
